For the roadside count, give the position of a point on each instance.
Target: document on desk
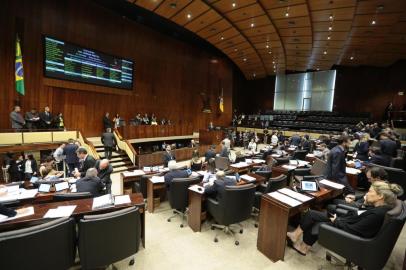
(248, 160)
(310, 155)
(248, 178)
(201, 173)
(258, 161)
(275, 155)
(294, 194)
(60, 211)
(239, 165)
(103, 201)
(157, 179)
(122, 199)
(8, 198)
(289, 167)
(297, 162)
(27, 194)
(197, 188)
(166, 169)
(352, 170)
(285, 199)
(22, 212)
(331, 184)
(14, 189)
(134, 173)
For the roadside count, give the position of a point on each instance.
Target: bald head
(104, 163)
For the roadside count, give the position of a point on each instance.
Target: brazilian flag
(19, 69)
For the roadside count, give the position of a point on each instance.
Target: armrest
(302, 171)
(343, 243)
(262, 188)
(347, 207)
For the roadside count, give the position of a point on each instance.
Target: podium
(210, 137)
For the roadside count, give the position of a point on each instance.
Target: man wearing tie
(86, 161)
(46, 118)
(168, 156)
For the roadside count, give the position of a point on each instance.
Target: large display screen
(67, 61)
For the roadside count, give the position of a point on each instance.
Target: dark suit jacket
(70, 152)
(295, 140)
(381, 160)
(107, 123)
(336, 164)
(216, 191)
(88, 163)
(224, 152)
(104, 174)
(362, 151)
(168, 157)
(90, 184)
(45, 118)
(108, 139)
(174, 174)
(209, 154)
(388, 147)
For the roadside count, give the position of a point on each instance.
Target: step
(114, 154)
(119, 164)
(123, 168)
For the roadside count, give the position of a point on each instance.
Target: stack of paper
(295, 195)
(289, 167)
(164, 169)
(60, 211)
(27, 194)
(239, 165)
(352, 170)
(248, 160)
(123, 199)
(258, 161)
(248, 178)
(275, 155)
(157, 179)
(134, 173)
(197, 189)
(201, 173)
(331, 184)
(310, 155)
(147, 169)
(285, 199)
(103, 201)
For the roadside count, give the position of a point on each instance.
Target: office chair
(179, 196)
(59, 197)
(234, 207)
(282, 160)
(108, 238)
(56, 238)
(318, 168)
(300, 155)
(222, 163)
(371, 253)
(397, 176)
(12, 203)
(272, 185)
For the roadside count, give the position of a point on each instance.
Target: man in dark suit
(168, 155)
(87, 162)
(32, 119)
(90, 183)
(104, 170)
(17, 121)
(216, 191)
(109, 142)
(379, 159)
(46, 118)
(388, 146)
(336, 164)
(295, 140)
(211, 153)
(174, 172)
(71, 158)
(107, 122)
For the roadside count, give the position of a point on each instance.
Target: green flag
(19, 69)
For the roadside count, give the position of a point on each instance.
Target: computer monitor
(309, 186)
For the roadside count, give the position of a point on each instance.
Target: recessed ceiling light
(318, 69)
(233, 5)
(189, 16)
(245, 59)
(252, 24)
(330, 28)
(221, 38)
(325, 52)
(373, 22)
(273, 62)
(328, 37)
(352, 58)
(287, 14)
(267, 46)
(331, 17)
(235, 49)
(269, 52)
(254, 74)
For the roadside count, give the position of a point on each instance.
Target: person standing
(59, 122)
(46, 118)
(72, 160)
(109, 142)
(87, 162)
(104, 170)
(168, 155)
(106, 121)
(17, 121)
(58, 156)
(32, 119)
(30, 167)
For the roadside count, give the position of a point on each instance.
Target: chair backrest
(237, 203)
(179, 194)
(276, 183)
(397, 176)
(300, 154)
(318, 167)
(56, 238)
(265, 174)
(108, 238)
(222, 163)
(59, 197)
(282, 160)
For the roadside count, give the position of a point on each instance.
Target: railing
(145, 131)
(88, 145)
(125, 146)
(26, 137)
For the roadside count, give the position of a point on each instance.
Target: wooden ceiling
(265, 37)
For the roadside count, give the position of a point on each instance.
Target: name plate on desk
(295, 195)
(284, 199)
(197, 188)
(248, 178)
(157, 179)
(331, 184)
(134, 173)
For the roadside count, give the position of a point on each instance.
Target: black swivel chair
(371, 254)
(108, 238)
(179, 196)
(71, 196)
(300, 154)
(282, 160)
(397, 176)
(318, 168)
(56, 239)
(234, 207)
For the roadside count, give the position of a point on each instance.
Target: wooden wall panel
(170, 75)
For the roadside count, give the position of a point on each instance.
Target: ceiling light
(235, 49)
(328, 37)
(269, 52)
(221, 38)
(273, 62)
(352, 58)
(233, 5)
(331, 17)
(325, 52)
(318, 69)
(189, 16)
(373, 22)
(330, 28)
(173, 5)
(252, 24)
(254, 74)
(245, 59)
(267, 46)
(287, 14)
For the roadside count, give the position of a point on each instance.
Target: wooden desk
(151, 191)
(83, 207)
(196, 215)
(273, 222)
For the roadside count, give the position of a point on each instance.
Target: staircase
(119, 160)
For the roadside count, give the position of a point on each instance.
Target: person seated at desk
(252, 146)
(211, 153)
(174, 172)
(145, 119)
(362, 148)
(216, 190)
(306, 143)
(225, 152)
(324, 151)
(90, 183)
(87, 162)
(196, 163)
(48, 168)
(381, 197)
(270, 162)
(104, 170)
(377, 157)
(211, 170)
(168, 155)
